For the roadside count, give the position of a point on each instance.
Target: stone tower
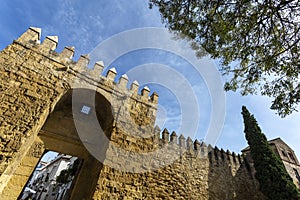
(286, 154)
(50, 102)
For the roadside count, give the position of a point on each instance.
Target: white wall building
(43, 184)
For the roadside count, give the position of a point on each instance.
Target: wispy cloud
(271, 124)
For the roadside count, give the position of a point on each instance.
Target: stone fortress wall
(38, 113)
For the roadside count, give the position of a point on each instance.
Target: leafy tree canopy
(66, 174)
(262, 36)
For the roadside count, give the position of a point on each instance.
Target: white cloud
(271, 124)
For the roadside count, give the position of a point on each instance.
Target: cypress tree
(274, 181)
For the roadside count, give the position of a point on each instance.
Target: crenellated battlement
(195, 148)
(31, 39)
(51, 102)
(64, 64)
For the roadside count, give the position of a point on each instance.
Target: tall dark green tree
(257, 42)
(273, 178)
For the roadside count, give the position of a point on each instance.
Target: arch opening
(60, 134)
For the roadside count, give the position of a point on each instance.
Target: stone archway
(33, 79)
(59, 134)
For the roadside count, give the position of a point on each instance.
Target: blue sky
(85, 24)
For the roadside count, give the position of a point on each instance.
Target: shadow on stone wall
(60, 134)
(230, 177)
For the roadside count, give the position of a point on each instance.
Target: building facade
(286, 154)
(45, 184)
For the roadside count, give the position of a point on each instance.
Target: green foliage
(66, 174)
(273, 178)
(74, 167)
(261, 36)
(63, 177)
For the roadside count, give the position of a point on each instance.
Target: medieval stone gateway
(50, 102)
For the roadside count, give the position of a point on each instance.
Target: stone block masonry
(38, 113)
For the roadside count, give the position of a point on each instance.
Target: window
(85, 109)
(297, 174)
(291, 156)
(283, 153)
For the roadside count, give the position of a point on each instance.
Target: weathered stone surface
(39, 112)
